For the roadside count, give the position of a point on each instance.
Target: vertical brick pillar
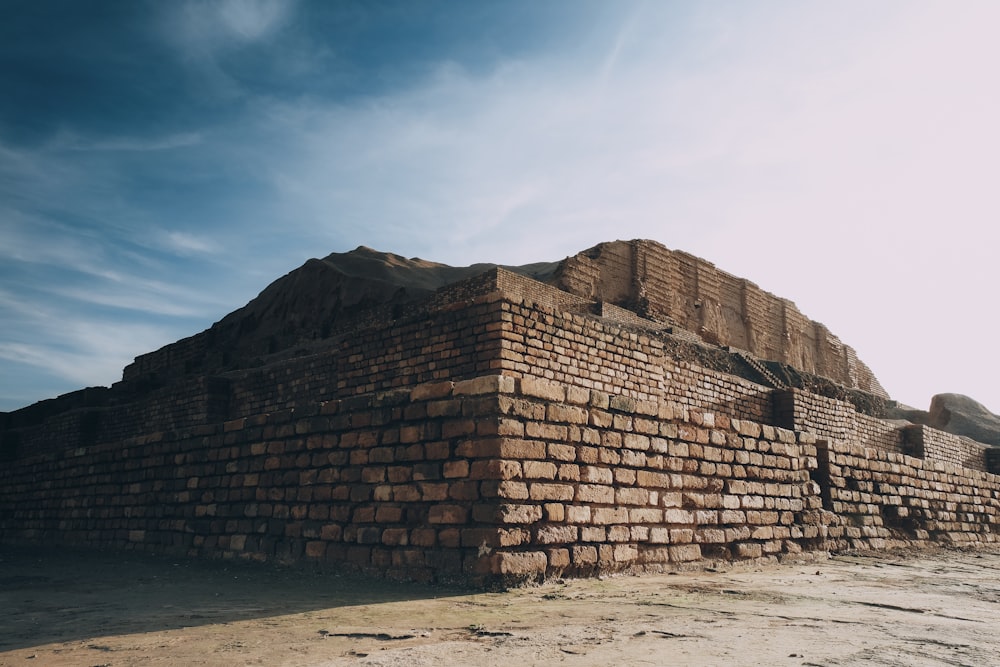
(783, 407)
(913, 441)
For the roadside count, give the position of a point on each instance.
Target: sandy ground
(97, 609)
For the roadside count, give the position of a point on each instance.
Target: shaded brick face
(500, 440)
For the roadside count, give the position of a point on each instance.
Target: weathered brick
(594, 493)
(556, 534)
(431, 390)
(518, 563)
(545, 491)
(449, 514)
(539, 470)
(487, 384)
(548, 391)
(606, 515)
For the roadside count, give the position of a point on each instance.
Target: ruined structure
(630, 408)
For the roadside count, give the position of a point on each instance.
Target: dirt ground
(101, 609)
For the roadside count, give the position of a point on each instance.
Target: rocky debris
(961, 415)
(953, 413)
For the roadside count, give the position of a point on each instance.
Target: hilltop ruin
(628, 408)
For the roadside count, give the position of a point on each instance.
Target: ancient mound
(670, 290)
(323, 296)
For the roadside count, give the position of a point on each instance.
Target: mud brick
(577, 395)
(561, 452)
(631, 496)
(478, 537)
(596, 475)
(508, 489)
(594, 493)
(449, 514)
(732, 516)
(315, 549)
(659, 535)
(608, 515)
(639, 515)
(515, 513)
(433, 491)
(673, 515)
(504, 427)
(539, 470)
(624, 476)
(600, 419)
(554, 512)
(453, 469)
(495, 469)
(749, 550)
(448, 538)
(426, 471)
(405, 493)
(495, 384)
(519, 563)
(683, 553)
(544, 491)
(610, 455)
(437, 450)
(567, 414)
(431, 390)
(423, 537)
(543, 389)
(451, 408)
(458, 428)
(556, 534)
(568, 472)
(546, 431)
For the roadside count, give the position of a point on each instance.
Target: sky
(163, 162)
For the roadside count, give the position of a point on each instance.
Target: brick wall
(384, 482)
(503, 435)
(928, 443)
(722, 308)
(491, 480)
(576, 349)
(829, 418)
(880, 499)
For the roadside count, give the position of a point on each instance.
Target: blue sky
(162, 162)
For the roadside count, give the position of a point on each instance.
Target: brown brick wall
(579, 350)
(721, 308)
(504, 439)
(880, 499)
(385, 483)
(491, 480)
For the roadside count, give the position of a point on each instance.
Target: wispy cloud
(186, 243)
(837, 154)
(73, 142)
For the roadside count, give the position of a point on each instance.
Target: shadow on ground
(51, 595)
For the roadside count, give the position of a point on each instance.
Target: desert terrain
(93, 609)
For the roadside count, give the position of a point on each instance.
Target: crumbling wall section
(879, 499)
(721, 308)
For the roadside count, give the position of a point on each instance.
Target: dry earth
(98, 609)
